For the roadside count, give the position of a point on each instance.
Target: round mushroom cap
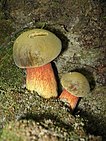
(76, 84)
(36, 48)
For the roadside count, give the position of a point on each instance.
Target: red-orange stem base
(42, 80)
(69, 98)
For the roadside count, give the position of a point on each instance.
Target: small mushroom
(75, 85)
(34, 50)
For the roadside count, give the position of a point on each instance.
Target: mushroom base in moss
(42, 80)
(70, 99)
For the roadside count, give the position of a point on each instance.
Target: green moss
(26, 130)
(10, 133)
(10, 74)
(51, 114)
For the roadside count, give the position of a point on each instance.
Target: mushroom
(34, 50)
(75, 85)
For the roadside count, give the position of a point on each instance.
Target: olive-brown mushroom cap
(35, 48)
(76, 84)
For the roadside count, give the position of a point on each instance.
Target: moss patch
(10, 75)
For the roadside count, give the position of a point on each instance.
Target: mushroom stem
(71, 99)
(42, 80)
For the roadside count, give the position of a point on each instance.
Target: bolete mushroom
(75, 85)
(34, 50)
